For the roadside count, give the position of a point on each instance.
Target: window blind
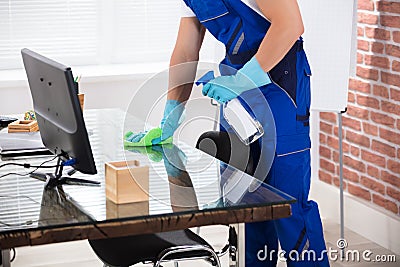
(86, 32)
(65, 30)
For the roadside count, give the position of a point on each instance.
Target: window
(85, 32)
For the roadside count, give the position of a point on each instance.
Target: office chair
(228, 148)
(154, 248)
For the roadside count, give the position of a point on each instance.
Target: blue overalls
(242, 29)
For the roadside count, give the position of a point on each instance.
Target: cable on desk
(25, 174)
(26, 165)
(29, 222)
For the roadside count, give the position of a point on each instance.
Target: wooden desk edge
(144, 226)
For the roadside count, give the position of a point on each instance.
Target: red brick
(393, 50)
(357, 138)
(373, 158)
(336, 182)
(360, 31)
(373, 185)
(373, 171)
(324, 176)
(394, 166)
(396, 36)
(322, 138)
(381, 91)
(389, 78)
(393, 137)
(367, 18)
(368, 101)
(325, 127)
(361, 113)
(355, 151)
(359, 192)
(385, 203)
(335, 158)
(382, 119)
(354, 164)
(388, 6)
(333, 142)
(377, 47)
(389, 21)
(394, 94)
(376, 61)
(392, 192)
(365, 5)
(390, 178)
(396, 65)
(360, 86)
(327, 165)
(325, 152)
(370, 129)
(352, 123)
(360, 58)
(398, 125)
(377, 33)
(328, 116)
(390, 107)
(362, 45)
(351, 175)
(351, 97)
(383, 148)
(365, 73)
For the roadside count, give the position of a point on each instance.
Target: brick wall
(371, 126)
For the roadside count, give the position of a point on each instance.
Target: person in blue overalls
(263, 43)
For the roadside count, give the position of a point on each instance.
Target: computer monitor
(59, 116)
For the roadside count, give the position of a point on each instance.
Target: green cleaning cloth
(147, 138)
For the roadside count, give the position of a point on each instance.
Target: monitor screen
(58, 112)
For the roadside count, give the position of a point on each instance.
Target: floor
(79, 254)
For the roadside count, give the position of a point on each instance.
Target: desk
(31, 215)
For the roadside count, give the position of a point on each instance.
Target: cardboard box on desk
(127, 182)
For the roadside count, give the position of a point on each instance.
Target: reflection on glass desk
(186, 188)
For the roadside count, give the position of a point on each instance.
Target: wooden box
(23, 126)
(81, 98)
(127, 182)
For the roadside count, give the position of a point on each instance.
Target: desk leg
(239, 256)
(5, 255)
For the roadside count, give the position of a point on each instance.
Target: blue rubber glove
(225, 88)
(171, 120)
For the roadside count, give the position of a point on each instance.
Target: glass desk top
(181, 180)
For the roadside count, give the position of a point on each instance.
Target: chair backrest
(228, 148)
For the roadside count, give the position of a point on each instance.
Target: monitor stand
(56, 179)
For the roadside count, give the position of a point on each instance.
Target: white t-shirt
(187, 12)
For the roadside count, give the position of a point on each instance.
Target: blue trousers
(300, 232)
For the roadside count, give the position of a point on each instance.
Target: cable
(29, 222)
(36, 168)
(26, 165)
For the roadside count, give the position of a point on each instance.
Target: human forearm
(182, 72)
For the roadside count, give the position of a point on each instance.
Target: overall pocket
(303, 96)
